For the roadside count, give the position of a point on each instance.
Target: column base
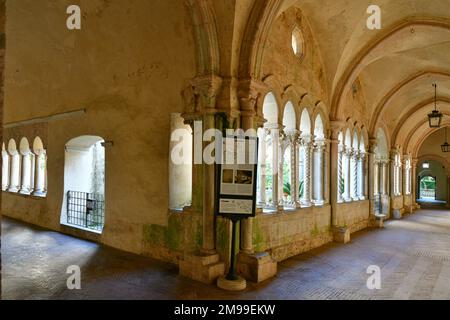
(231, 285)
(39, 193)
(318, 203)
(341, 234)
(305, 204)
(25, 192)
(256, 267)
(377, 221)
(398, 213)
(201, 267)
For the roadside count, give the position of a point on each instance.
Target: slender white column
(306, 145)
(275, 174)
(354, 175)
(340, 174)
(280, 162)
(347, 177)
(296, 151)
(362, 176)
(318, 166)
(292, 140)
(376, 178)
(15, 173)
(385, 178)
(6, 165)
(262, 167)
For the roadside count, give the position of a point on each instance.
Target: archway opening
(267, 196)
(431, 180)
(427, 188)
(84, 184)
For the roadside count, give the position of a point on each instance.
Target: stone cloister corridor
(225, 149)
(413, 254)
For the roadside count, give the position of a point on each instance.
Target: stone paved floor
(413, 254)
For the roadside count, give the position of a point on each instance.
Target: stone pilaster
(200, 105)
(335, 169)
(340, 233)
(253, 266)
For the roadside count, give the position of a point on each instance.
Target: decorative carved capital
(249, 91)
(335, 129)
(200, 95)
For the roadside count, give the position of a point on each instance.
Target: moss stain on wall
(258, 238)
(170, 236)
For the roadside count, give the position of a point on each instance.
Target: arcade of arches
(340, 112)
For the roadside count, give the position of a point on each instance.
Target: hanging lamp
(435, 117)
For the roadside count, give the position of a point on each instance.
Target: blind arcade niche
(236, 177)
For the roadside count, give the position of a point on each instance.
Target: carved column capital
(199, 97)
(249, 91)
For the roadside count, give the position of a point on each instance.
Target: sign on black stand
(236, 193)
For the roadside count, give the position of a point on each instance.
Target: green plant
(287, 188)
(300, 189)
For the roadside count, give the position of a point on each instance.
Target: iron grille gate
(86, 209)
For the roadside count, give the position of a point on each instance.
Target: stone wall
(353, 215)
(289, 233)
(126, 67)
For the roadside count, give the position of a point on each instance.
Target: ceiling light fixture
(435, 117)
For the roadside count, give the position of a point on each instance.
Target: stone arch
(358, 59)
(434, 157)
(402, 121)
(289, 117)
(319, 127)
(305, 123)
(205, 34)
(16, 163)
(262, 16)
(40, 179)
(28, 167)
(388, 96)
(382, 148)
(355, 139)
(413, 146)
(270, 108)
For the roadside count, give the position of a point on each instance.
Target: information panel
(236, 177)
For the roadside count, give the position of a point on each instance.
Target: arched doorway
(84, 184)
(427, 188)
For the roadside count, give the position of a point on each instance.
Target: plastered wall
(126, 67)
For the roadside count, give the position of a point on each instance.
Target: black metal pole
(232, 275)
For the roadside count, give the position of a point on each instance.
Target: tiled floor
(413, 254)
